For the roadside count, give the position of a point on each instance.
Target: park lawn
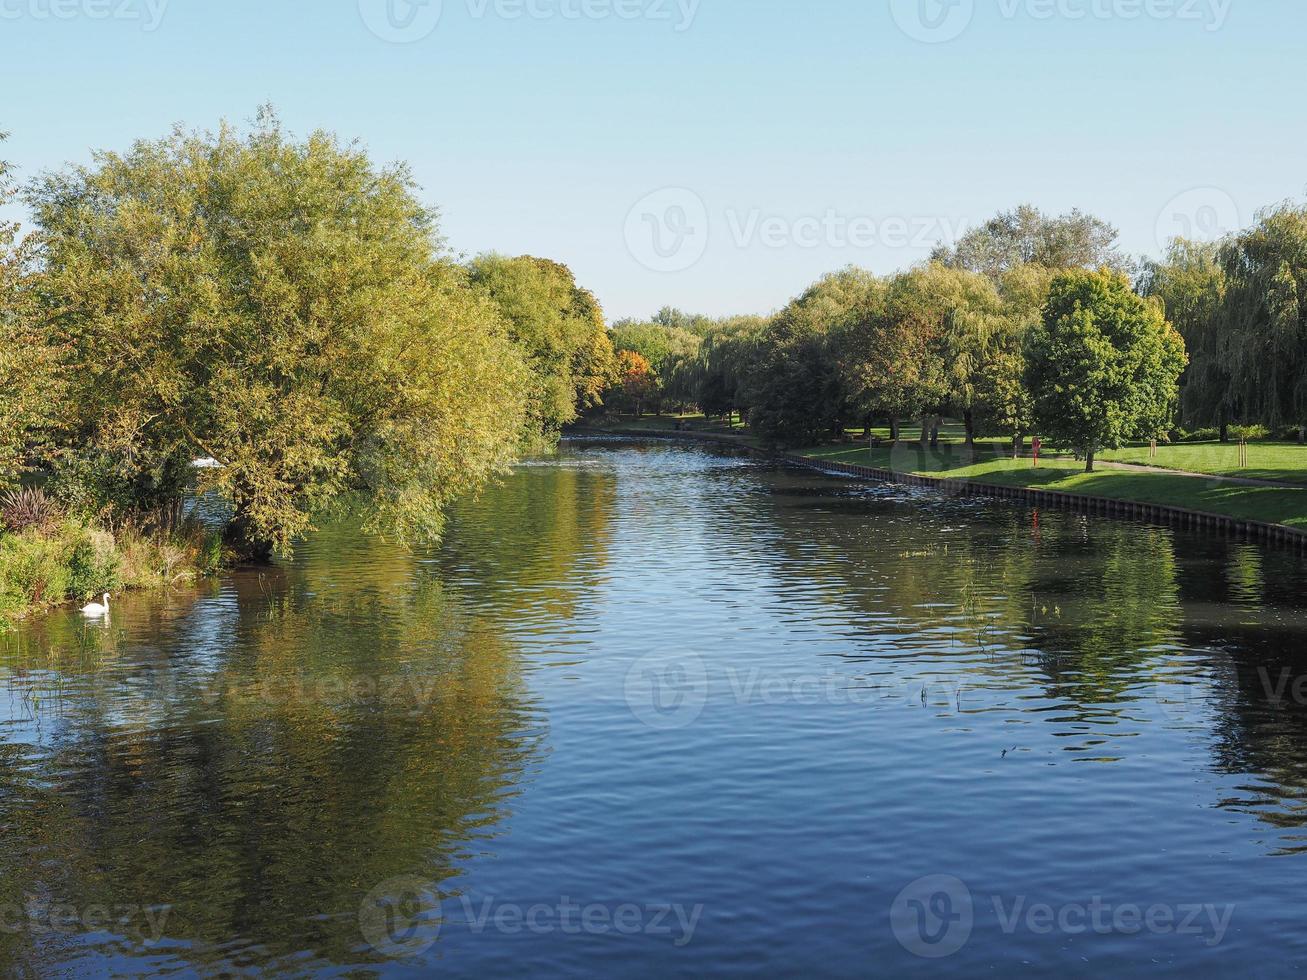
(1282, 462)
(1272, 505)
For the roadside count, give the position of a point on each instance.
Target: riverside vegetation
(287, 311)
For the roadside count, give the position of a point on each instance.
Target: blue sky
(716, 155)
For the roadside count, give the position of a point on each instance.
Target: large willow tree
(1191, 284)
(1262, 318)
(283, 307)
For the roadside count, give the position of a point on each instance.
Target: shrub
(93, 563)
(1252, 433)
(21, 510)
(33, 571)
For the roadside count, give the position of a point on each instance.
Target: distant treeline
(1029, 325)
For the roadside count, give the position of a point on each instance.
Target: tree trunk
(893, 430)
(1225, 429)
(969, 419)
(1302, 434)
(1018, 445)
(934, 432)
(1089, 462)
(239, 536)
(925, 431)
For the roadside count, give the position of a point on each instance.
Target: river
(657, 710)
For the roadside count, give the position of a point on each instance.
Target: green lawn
(1283, 462)
(1280, 462)
(1273, 505)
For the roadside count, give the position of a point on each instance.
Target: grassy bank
(70, 561)
(1273, 505)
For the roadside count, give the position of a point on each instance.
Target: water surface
(662, 711)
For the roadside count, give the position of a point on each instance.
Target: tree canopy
(1103, 365)
(283, 307)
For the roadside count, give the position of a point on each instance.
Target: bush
(21, 510)
(33, 571)
(1252, 433)
(93, 564)
(1198, 435)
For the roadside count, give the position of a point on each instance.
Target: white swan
(97, 609)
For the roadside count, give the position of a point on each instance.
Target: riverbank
(48, 566)
(1268, 511)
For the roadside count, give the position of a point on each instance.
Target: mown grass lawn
(1273, 505)
(1283, 462)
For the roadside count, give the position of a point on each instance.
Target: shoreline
(1184, 518)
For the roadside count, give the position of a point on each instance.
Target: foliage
(794, 388)
(1262, 319)
(283, 308)
(30, 400)
(1104, 364)
(559, 329)
(28, 509)
(638, 382)
(1027, 236)
(1190, 283)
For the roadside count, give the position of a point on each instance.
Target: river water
(663, 711)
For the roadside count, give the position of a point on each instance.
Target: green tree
(30, 386)
(795, 390)
(1262, 318)
(284, 308)
(560, 329)
(1027, 236)
(1103, 366)
(1191, 284)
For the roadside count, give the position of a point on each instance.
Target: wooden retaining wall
(1078, 503)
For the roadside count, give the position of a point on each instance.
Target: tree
(283, 307)
(1191, 284)
(637, 380)
(30, 386)
(1104, 364)
(725, 360)
(795, 390)
(891, 353)
(559, 327)
(668, 347)
(1261, 321)
(1027, 236)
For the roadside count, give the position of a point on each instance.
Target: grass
(71, 561)
(1280, 462)
(1273, 505)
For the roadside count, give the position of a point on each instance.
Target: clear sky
(716, 155)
